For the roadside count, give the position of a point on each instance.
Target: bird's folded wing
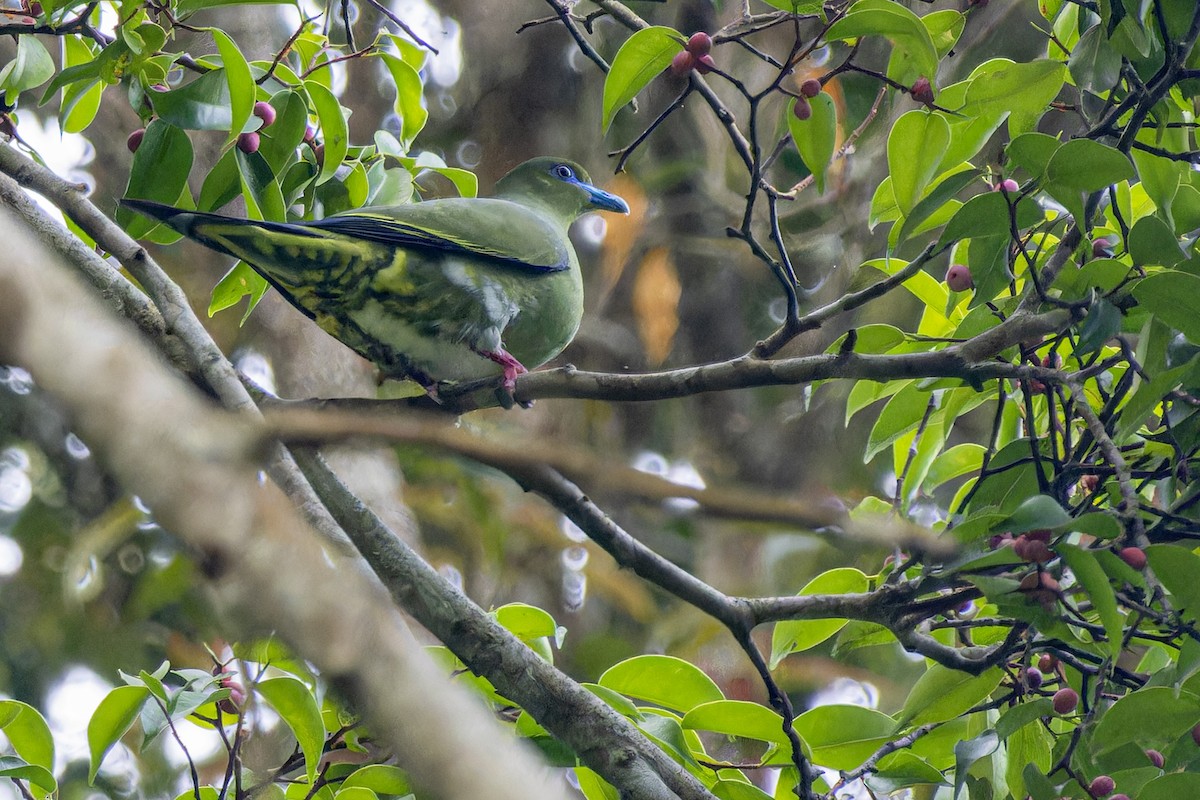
(498, 230)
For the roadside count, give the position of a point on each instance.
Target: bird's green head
(559, 186)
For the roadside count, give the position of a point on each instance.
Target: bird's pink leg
(512, 367)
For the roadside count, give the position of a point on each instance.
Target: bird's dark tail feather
(186, 222)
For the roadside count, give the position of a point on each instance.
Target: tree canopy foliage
(1007, 323)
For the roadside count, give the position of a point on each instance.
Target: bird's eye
(563, 172)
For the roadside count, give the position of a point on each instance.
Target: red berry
(922, 91)
(1032, 550)
(802, 109)
(1133, 556)
(1156, 758)
(1102, 786)
(248, 142)
(35, 8)
(265, 112)
(699, 44)
(810, 88)
(705, 64)
(1065, 700)
(958, 278)
(1118, 795)
(1039, 534)
(1008, 185)
(1046, 663)
(683, 63)
(135, 140)
(1033, 677)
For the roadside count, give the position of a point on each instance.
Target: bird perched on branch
(458, 289)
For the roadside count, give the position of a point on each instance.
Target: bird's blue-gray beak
(605, 201)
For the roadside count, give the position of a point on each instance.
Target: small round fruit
(265, 112)
(1088, 483)
(248, 142)
(319, 153)
(922, 91)
(1156, 758)
(1119, 796)
(810, 88)
(958, 278)
(135, 140)
(1032, 550)
(705, 64)
(1065, 700)
(310, 133)
(1008, 185)
(1196, 734)
(699, 44)
(1102, 248)
(1046, 663)
(35, 8)
(1133, 556)
(1102, 786)
(683, 63)
(1040, 535)
(1034, 677)
(802, 109)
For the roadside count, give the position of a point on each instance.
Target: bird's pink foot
(512, 368)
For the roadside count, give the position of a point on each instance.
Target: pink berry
(1040, 534)
(1102, 248)
(1065, 700)
(1047, 662)
(1133, 556)
(1033, 677)
(699, 44)
(810, 88)
(1102, 786)
(922, 91)
(1118, 795)
(1008, 185)
(958, 278)
(802, 109)
(248, 142)
(683, 63)
(705, 64)
(1032, 550)
(1156, 758)
(135, 140)
(265, 112)
(319, 153)
(310, 133)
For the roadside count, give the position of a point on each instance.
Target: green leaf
(80, 99)
(37, 776)
(642, 57)
(902, 414)
(379, 778)
(618, 701)
(408, 105)
(792, 636)
(936, 199)
(29, 68)
(737, 718)
(187, 7)
(334, 133)
(1081, 166)
(815, 137)
(1095, 582)
(241, 84)
(1148, 717)
(988, 215)
(241, 281)
(295, 704)
(200, 105)
(27, 732)
(1001, 85)
(668, 681)
(959, 460)
(968, 752)
(943, 693)
(1022, 714)
(1094, 64)
(1032, 152)
(1172, 787)
(899, 25)
(843, 736)
(1151, 242)
(914, 150)
(160, 171)
(1179, 570)
(1173, 297)
(900, 770)
(1028, 746)
(1039, 511)
(112, 718)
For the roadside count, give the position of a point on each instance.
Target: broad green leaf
(1001, 85)
(40, 779)
(241, 281)
(80, 100)
(1179, 570)
(1081, 166)
(737, 718)
(914, 150)
(902, 414)
(295, 704)
(664, 730)
(1022, 714)
(1175, 786)
(186, 7)
(738, 790)
(264, 199)
(988, 215)
(792, 636)
(525, 621)
(668, 681)
(1148, 717)
(594, 787)
(279, 140)
(934, 200)
(1039, 511)
(619, 702)
(112, 718)
(843, 736)
(857, 633)
(1174, 298)
(241, 84)
(355, 793)
(27, 732)
(799, 6)
(901, 770)
(968, 752)
(642, 57)
(871, 339)
(1032, 152)
(29, 68)
(1151, 242)
(160, 171)
(1094, 64)
(899, 25)
(408, 105)
(335, 136)
(1096, 584)
(1027, 746)
(815, 137)
(943, 693)
(200, 105)
(955, 462)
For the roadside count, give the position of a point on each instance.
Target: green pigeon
(458, 289)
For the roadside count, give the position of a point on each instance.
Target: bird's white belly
(441, 359)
